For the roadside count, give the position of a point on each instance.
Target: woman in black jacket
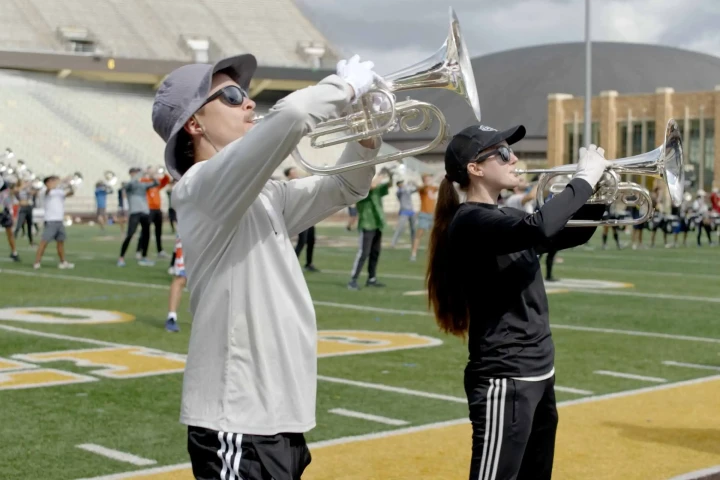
(484, 280)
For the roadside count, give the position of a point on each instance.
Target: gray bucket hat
(184, 91)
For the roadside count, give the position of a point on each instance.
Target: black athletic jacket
(493, 256)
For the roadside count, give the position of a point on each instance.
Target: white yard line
(624, 271)
(661, 296)
(63, 337)
(116, 455)
(366, 416)
(635, 333)
(572, 390)
(630, 376)
(388, 388)
(699, 474)
(691, 365)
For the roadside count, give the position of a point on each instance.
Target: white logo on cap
(486, 129)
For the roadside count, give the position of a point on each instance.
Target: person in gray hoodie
(136, 192)
(249, 388)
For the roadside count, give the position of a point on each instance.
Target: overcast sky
(396, 33)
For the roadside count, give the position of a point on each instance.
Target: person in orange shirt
(155, 204)
(428, 197)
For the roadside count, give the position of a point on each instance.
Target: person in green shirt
(371, 221)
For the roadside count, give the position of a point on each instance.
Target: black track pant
(700, 229)
(514, 424)
(224, 456)
(370, 243)
(142, 219)
(25, 217)
(156, 219)
(306, 238)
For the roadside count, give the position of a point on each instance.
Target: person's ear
(475, 169)
(193, 126)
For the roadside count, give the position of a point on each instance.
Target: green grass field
(668, 313)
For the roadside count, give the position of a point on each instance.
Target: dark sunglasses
(505, 154)
(232, 95)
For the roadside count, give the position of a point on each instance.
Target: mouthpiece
(257, 118)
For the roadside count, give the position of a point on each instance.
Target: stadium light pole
(588, 74)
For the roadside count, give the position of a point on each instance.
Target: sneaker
(36, 266)
(413, 257)
(551, 279)
(171, 271)
(162, 254)
(144, 262)
(171, 325)
(65, 265)
(353, 285)
(374, 283)
(121, 263)
(138, 256)
(311, 268)
(15, 257)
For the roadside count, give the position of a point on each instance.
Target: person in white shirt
(249, 387)
(54, 229)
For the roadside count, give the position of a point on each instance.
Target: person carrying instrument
(55, 194)
(250, 380)
(136, 191)
(7, 197)
(701, 209)
(484, 280)
(155, 215)
(428, 197)
(371, 222)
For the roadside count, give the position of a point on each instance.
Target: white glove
(358, 74)
(591, 165)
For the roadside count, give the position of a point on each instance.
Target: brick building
(626, 125)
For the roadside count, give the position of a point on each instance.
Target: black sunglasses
(232, 95)
(505, 154)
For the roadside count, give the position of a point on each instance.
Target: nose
(248, 104)
(513, 159)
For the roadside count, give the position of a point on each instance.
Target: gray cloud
(395, 33)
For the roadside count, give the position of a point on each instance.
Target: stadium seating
(153, 28)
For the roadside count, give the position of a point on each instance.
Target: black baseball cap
(467, 143)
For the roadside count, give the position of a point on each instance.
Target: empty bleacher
(271, 29)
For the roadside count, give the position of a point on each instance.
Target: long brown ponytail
(444, 298)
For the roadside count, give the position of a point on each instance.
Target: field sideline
(90, 381)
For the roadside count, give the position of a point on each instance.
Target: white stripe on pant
(494, 421)
(225, 454)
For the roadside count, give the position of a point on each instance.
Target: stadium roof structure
(139, 41)
(514, 85)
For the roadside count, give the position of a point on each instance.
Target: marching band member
(176, 287)
(55, 194)
(136, 192)
(407, 211)
(6, 219)
(484, 280)
(371, 222)
(25, 194)
(155, 215)
(101, 193)
(700, 207)
(659, 217)
(428, 197)
(250, 379)
(610, 213)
